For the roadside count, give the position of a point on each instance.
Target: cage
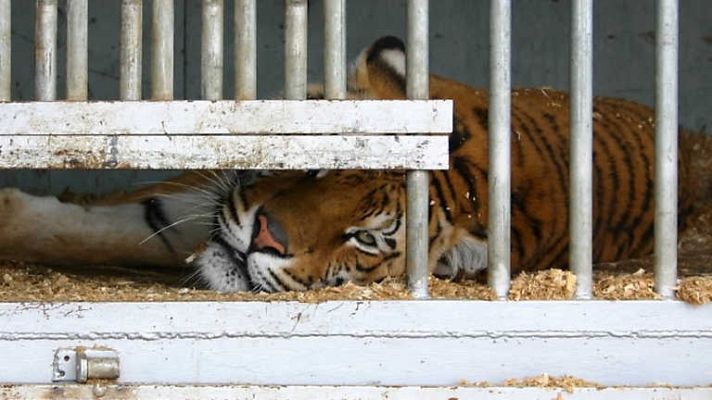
(420, 348)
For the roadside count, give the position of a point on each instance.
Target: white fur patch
(467, 258)
(219, 272)
(395, 59)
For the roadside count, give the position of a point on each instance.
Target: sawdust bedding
(630, 280)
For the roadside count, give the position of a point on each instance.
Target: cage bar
(499, 179)
(335, 49)
(77, 63)
(46, 50)
(580, 162)
(417, 181)
(666, 96)
(130, 58)
(211, 55)
(245, 49)
(295, 49)
(5, 51)
(162, 50)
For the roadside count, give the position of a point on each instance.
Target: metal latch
(81, 364)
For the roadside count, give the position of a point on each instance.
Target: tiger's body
(296, 230)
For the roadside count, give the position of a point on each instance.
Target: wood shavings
(566, 382)
(695, 290)
(551, 284)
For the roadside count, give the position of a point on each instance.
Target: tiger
(279, 231)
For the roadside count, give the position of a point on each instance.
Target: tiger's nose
(269, 235)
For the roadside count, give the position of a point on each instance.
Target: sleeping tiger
(298, 230)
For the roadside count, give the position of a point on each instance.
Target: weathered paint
(226, 117)
(222, 151)
(367, 343)
(238, 392)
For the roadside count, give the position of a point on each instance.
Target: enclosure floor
(621, 281)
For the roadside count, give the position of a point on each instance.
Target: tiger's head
(296, 231)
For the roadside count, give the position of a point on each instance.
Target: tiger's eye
(366, 238)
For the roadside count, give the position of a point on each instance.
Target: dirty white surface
(274, 117)
(367, 343)
(347, 393)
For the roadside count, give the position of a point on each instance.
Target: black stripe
(233, 212)
(277, 280)
(442, 201)
(156, 219)
(295, 278)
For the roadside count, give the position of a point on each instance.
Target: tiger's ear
(380, 69)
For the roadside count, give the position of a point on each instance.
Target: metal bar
(295, 49)
(162, 50)
(335, 49)
(46, 50)
(225, 152)
(580, 162)
(245, 50)
(666, 96)
(5, 51)
(259, 117)
(77, 64)
(131, 36)
(499, 179)
(211, 55)
(417, 87)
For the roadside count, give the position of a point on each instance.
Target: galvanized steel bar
(5, 51)
(130, 57)
(417, 87)
(666, 96)
(295, 49)
(245, 49)
(77, 64)
(46, 50)
(211, 60)
(499, 179)
(335, 49)
(162, 50)
(581, 147)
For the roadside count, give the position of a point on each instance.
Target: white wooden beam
(239, 392)
(223, 151)
(272, 117)
(367, 342)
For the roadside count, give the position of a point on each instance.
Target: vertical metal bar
(130, 57)
(77, 67)
(499, 179)
(295, 49)
(417, 87)
(46, 50)
(162, 50)
(666, 95)
(245, 49)
(211, 59)
(5, 51)
(581, 147)
(335, 49)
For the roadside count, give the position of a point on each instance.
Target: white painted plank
(227, 117)
(220, 151)
(348, 392)
(366, 343)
